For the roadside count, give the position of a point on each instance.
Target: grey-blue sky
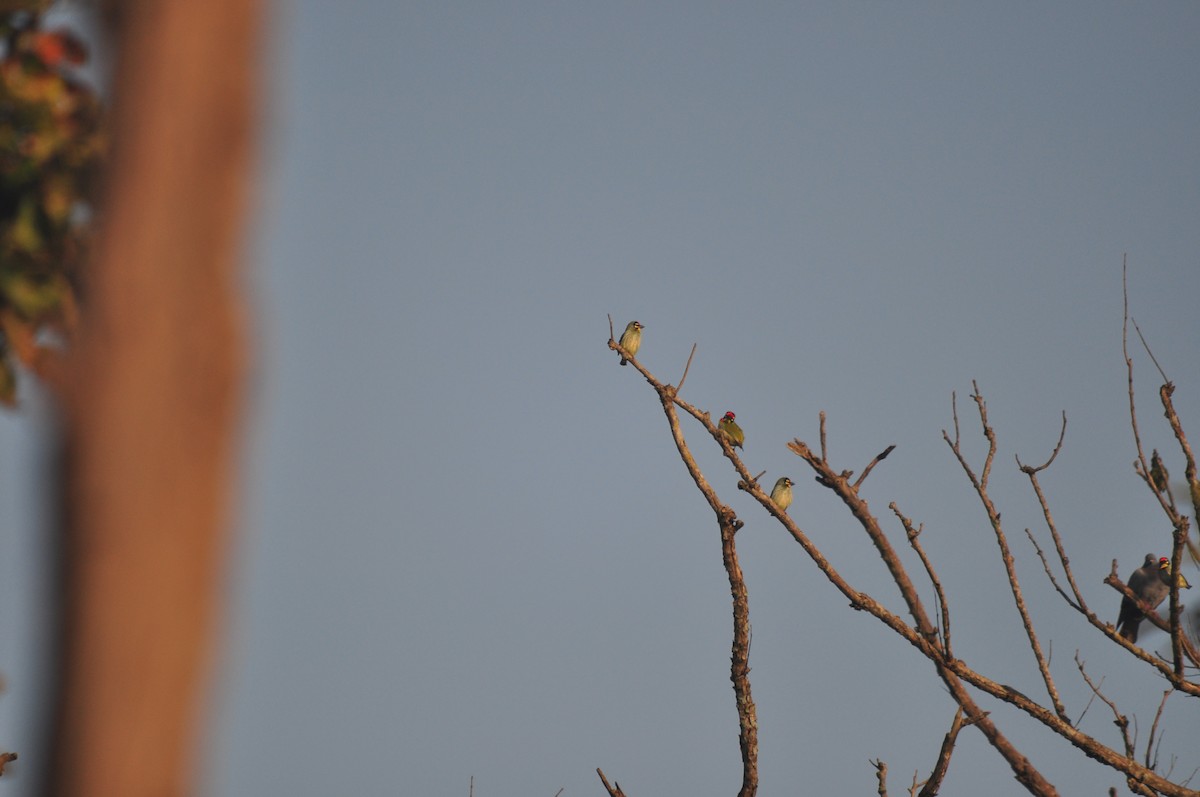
(467, 544)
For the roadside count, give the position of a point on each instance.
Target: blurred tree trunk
(153, 401)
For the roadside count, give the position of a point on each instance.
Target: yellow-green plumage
(781, 493)
(631, 339)
(733, 433)
(1164, 564)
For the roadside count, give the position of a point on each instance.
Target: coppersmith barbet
(631, 339)
(733, 433)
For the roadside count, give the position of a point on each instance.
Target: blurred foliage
(51, 146)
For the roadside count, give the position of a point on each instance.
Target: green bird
(631, 339)
(733, 432)
(1158, 473)
(781, 493)
(1164, 569)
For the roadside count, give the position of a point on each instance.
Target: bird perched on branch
(733, 432)
(1151, 582)
(631, 339)
(1164, 565)
(1158, 472)
(781, 493)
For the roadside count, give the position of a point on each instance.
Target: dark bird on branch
(1151, 582)
(1158, 472)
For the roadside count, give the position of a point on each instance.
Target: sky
(466, 546)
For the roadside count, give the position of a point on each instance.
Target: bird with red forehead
(733, 433)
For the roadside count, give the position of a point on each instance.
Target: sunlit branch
(943, 606)
(942, 766)
(881, 775)
(980, 485)
(614, 789)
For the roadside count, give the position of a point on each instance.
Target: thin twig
(1146, 346)
(1119, 719)
(1032, 472)
(824, 451)
(943, 606)
(686, 368)
(1136, 785)
(1050, 573)
(882, 455)
(1152, 758)
(993, 514)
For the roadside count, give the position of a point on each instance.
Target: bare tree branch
(923, 635)
(824, 451)
(943, 606)
(1032, 472)
(881, 775)
(729, 524)
(1146, 346)
(1152, 757)
(882, 455)
(614, 790)
(993, 514)
(1179, 522)
(686, 368)
(1187, 648)
(943, 761)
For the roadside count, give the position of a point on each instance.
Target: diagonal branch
(1187, 648)
(729, 524)
(952, 670)
(1032, 472)
(924, 636)
(943, 606)
(980, 485)
(1179, 523)
(956, 674)
(614, 789)
(1151, 756)
(943, 761)
(882, 455)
